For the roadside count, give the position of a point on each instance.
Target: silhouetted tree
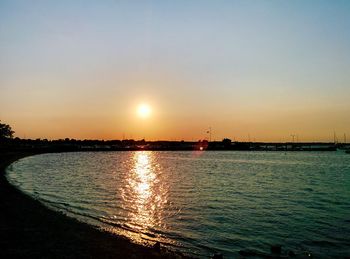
(226, 142)
(5, 131)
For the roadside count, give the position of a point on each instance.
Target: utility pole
(293, 136)
(209, 131)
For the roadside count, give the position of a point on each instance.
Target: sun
(143, 111)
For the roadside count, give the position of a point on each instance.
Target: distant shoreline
(67, 145)
(31, 230)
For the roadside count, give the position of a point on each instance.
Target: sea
(201, 202)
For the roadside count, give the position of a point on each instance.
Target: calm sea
(201, 202)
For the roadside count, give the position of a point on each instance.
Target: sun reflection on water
(144, 193)
(142, 182)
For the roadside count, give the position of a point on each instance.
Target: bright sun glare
(144, 111)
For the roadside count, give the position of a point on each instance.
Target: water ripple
(201, 202)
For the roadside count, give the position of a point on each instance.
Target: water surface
(201, 202)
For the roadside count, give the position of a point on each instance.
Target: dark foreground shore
(30, 230)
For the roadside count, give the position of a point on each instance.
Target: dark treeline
(8, 144)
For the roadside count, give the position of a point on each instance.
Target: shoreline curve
(28, 229)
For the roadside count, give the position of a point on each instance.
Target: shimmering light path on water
(201, 202)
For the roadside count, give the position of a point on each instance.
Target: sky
(250, 70)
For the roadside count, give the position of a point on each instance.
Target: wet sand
(30, 230)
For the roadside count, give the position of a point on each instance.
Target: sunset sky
(264, 69)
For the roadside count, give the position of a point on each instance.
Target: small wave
(206, 201)
(321, 243)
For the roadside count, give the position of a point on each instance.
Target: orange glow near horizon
(172, 123)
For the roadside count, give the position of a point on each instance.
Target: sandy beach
(30, 230)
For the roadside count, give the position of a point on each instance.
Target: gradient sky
(267, 69)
